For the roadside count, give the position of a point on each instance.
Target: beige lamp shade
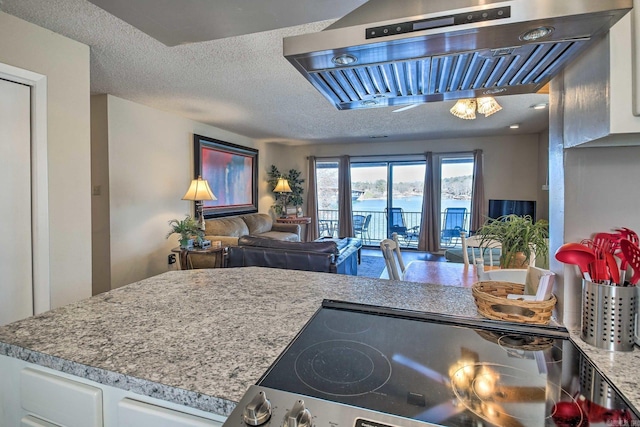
(282, 186)
(199, 190)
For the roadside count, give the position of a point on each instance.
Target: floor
(407, 254)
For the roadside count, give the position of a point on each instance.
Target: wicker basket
(492, 302)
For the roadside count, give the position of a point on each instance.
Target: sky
(408, 173)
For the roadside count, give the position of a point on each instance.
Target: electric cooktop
(363, 366)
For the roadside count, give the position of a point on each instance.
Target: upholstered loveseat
(227, 230)
(328, 256)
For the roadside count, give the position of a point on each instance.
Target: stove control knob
(258, 411)
(298, 416)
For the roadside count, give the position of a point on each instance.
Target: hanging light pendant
(488, 105)
(464, 109)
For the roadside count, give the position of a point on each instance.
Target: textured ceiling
(244, 85)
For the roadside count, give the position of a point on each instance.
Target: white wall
(601, 193)
(510, 163)
(66, 65)
(150, 164)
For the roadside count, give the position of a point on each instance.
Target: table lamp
(198, 192)
(283, 187)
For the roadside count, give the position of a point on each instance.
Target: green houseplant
(187, 229)
(293, 177)
(519, 237)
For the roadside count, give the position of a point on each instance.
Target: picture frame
(232, 173)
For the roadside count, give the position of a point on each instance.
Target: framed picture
(232, 173)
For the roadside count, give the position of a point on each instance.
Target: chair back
(395, 218)
(480, 249)
(367, 220)
(393, 258)
(453, 222)
(358, 222)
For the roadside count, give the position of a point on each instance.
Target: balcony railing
(377, 230)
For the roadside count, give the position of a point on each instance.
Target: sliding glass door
(387, 198)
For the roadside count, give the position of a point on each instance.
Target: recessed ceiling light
(539, 106)
(514, 126)
(345, 59)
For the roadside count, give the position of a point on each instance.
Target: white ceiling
(242, 83)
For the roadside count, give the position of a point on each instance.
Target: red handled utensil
(609, 244)
(631, 254)
(632, 236)
(598, 268)
(577, 254)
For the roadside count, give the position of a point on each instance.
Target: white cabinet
(35, 396)
(601, 89)
(59, 400)
(132, 413)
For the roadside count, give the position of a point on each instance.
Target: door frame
(39, 182)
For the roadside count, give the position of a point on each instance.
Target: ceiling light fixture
(488, 105)
(514, 126)
(466, 108)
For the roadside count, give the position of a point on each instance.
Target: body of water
(408, 204)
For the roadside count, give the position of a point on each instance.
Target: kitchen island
(199, 338)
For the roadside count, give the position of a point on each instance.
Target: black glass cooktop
(432, 370)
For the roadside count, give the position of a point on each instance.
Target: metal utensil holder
(608, 316)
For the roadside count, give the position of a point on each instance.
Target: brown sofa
(227, 230)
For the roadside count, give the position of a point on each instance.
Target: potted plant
(295, 183)
(187, 229)
(519, 237)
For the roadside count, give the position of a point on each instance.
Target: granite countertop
(201, 337)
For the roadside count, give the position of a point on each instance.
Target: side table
(303, 221)
(185, 263)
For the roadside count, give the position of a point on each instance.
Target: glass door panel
(456, 186)
(405, 203)
(327, 186)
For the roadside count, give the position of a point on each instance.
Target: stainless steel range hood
(397, 52)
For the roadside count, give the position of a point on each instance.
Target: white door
(16, 282)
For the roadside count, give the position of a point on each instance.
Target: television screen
(498, 208)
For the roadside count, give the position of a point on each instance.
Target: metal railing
(377, 230)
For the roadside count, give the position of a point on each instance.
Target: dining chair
(393, 258)
(484, 251)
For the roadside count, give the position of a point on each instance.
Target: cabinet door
(132, 413)
(30, 421)
(62, 401)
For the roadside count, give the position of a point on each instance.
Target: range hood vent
(493, 48)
